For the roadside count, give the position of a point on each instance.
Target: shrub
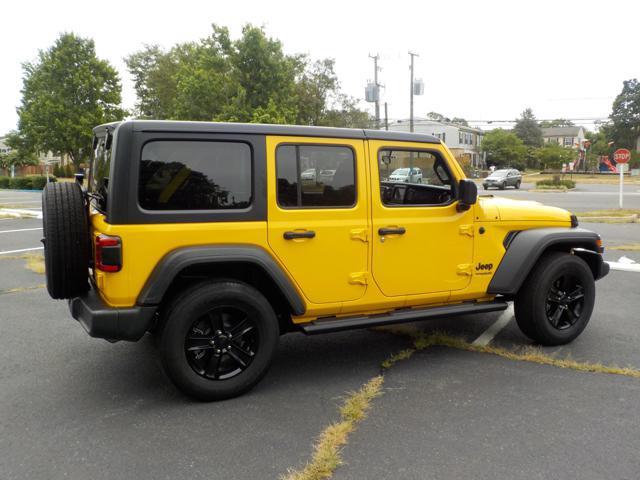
(39, 181)
(68, 170)
(556, 182)
(4, 182)
(20, 183)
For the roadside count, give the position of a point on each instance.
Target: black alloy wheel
(565, 302)
(222, 343)
(554, 304)
(217, 339)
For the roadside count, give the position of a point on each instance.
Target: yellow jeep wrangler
(220, 237)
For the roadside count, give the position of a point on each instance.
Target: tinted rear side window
(315, 176)
(195, 175)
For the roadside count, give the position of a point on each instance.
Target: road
(76, 407)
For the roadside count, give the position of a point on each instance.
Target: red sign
(622, 155)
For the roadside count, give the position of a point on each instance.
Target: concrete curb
(550, 190)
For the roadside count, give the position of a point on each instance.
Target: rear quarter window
(195, 175)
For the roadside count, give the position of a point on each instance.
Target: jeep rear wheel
(218, 339)
(555, 303)
(66, 240)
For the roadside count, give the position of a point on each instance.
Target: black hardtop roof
(264, 129)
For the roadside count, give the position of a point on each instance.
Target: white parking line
(495, 328)
(625, 267)
(21, 230)
(7, 252)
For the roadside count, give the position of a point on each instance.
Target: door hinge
(360, 234)
(466, 230)
(358, 278)
(464, 269)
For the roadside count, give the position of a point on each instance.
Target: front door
(318, 214)
(421, 243)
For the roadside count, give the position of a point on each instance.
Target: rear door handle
(391, 231)
(294, 235)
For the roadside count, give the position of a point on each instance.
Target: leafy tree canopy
(558, 122)
(553, 155)
(66, 93)
(527, 129)
(503, 148)
(249, 79)
(438, 117)
(625, 117)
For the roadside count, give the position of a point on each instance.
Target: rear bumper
(103, 321)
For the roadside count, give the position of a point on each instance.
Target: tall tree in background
(66, 93)
(528, 130)
(249, 79)
(504, 149)
(558, 122)
(625, 117)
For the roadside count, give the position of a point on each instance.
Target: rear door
(317, 220)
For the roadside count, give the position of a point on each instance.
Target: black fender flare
(526, 247)
(177, 260)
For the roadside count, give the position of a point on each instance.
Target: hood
(507, 209)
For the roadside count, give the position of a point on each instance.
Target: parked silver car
(502, 179)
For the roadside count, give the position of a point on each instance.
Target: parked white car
(403, 175)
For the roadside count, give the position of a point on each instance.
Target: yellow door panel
(317, 222)
(417, 249)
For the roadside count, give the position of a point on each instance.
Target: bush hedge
(556, 183)
(31, 182)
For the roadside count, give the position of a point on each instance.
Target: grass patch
(35, 263)
(327, 450)
(631, 247)
(22, 289)
(613, 212)
(396, 357)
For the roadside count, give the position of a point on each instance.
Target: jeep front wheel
(555, 303)
(218, 339)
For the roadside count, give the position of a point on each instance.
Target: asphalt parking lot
(76, 407)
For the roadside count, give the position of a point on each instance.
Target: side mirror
(467, 194)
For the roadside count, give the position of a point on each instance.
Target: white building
(464, 142)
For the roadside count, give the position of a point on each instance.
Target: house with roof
(463, 141)
(573, 137)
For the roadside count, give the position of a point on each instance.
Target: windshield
(401, 171)
(99, 171)
(499, 173)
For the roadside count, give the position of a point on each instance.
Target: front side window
(195, 175)
(315, 176)
(413, 177)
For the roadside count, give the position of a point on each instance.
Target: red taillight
(108, 253)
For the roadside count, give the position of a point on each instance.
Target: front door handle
(294, 235)
(391, 231)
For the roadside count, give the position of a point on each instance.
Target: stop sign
(622, 155)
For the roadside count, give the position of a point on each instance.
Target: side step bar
(327, 325)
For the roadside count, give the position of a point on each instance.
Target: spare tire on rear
(66, 239)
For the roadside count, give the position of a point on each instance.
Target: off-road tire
(66, 240)
(532, 301)
(197, 303)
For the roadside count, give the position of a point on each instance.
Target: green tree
(21, 153)
(250, 79)
(558, 122)
(625, 117)
(553, 155)
(460, 121)
(66, 93)
(528, 130)
(503, 149)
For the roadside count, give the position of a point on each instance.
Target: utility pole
(411, 93)
(386, 117)
(375, 59)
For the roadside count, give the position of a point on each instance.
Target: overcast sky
(482, 60)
